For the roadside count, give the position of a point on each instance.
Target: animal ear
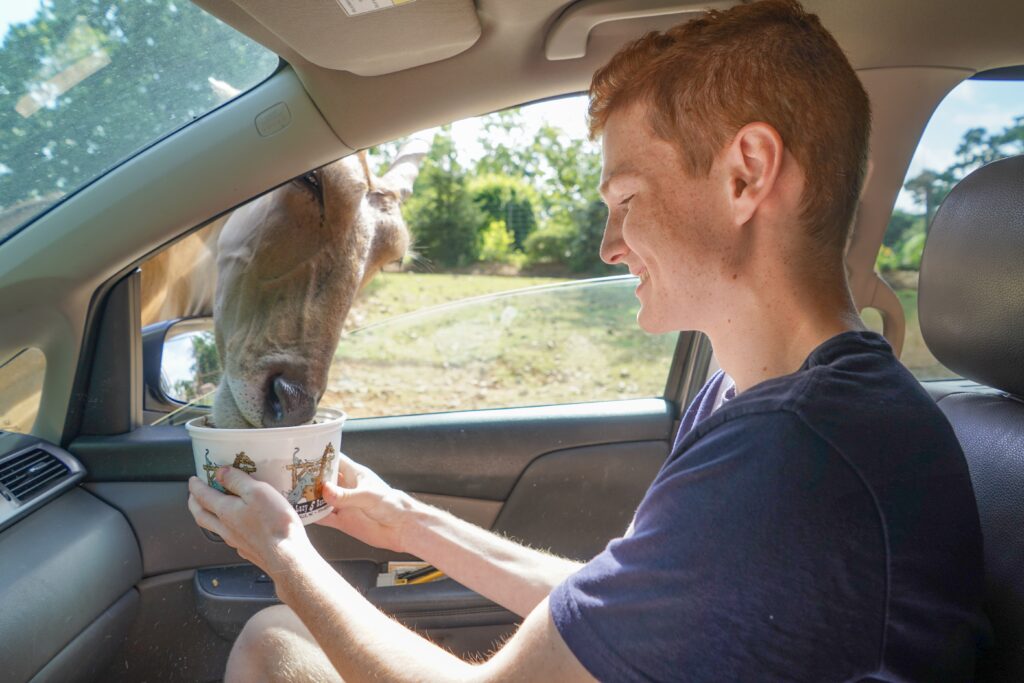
(406, 166)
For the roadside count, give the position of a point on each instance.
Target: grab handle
(568, 36)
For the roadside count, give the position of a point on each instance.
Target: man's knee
(274, 645)
(264, 629)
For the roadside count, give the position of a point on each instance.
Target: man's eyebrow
(617, 172)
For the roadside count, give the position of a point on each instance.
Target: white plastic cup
(294, 460)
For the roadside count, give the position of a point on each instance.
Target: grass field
(393, 294)
(531, 348)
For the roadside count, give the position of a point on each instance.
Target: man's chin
(652, 324)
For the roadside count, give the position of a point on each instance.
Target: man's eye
(625, 202)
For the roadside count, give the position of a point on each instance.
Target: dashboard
(69, 563)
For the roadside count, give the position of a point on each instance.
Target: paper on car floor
(388, 578)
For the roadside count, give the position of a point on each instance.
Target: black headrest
(971, 290)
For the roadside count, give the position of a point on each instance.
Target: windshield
(84, 84)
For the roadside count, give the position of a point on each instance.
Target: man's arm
(516, 577)
(361, 642)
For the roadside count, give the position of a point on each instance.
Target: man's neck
(770, 333)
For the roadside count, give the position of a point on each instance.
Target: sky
(567, 113)
(972, 104)
(16, 12)
(986, 104)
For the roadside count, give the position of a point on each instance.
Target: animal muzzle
(287, 403)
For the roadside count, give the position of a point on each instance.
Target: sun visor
(369, 37)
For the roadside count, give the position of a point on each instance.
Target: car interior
(105, 576)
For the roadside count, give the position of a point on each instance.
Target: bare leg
(275, 647)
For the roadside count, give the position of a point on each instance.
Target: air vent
(28, 473)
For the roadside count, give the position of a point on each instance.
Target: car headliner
(909, 54)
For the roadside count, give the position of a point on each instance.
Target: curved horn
(406, 166)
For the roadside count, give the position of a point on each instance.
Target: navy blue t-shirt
(819, 526)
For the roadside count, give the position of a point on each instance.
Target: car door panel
(476, 467)
(573, 501)
(478, 454)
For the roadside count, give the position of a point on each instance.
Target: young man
(815, 519)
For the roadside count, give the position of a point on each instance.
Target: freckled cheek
(638, 230)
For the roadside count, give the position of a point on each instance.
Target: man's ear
(752, 162)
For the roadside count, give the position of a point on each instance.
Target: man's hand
(257, 521)
(366, 508)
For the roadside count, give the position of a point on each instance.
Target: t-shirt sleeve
(753, 552)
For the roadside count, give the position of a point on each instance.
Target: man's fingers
(236, 481)
(208, 497)
(204, 518)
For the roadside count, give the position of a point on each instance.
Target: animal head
(289, 266)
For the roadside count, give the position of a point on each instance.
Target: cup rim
(328, 417)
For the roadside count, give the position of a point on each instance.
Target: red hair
(767, 61)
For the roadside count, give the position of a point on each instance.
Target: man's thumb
(334, 494)
(339, 496)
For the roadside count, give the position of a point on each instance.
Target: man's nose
(613, 248)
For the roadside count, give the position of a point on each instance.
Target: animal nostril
(288, 404)
(274, 407)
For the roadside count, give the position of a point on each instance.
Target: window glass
(85, 84)
(21, 387)
(502, 300)
(978, 122)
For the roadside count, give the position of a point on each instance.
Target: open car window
(502, 299)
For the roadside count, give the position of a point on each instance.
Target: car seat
(971, 308)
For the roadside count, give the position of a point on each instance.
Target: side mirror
(181, 368)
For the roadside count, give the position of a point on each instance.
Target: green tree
(887, 259)
(570, 174)
(496, 243)
(206, 369)
(441, 214)
(508, 199)
(143, 70)
(910, 252)
(929, 188)
(550, 244)
(585, 247)
(977, 147)
(206, 361)
(504, 153)
(900, 225)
